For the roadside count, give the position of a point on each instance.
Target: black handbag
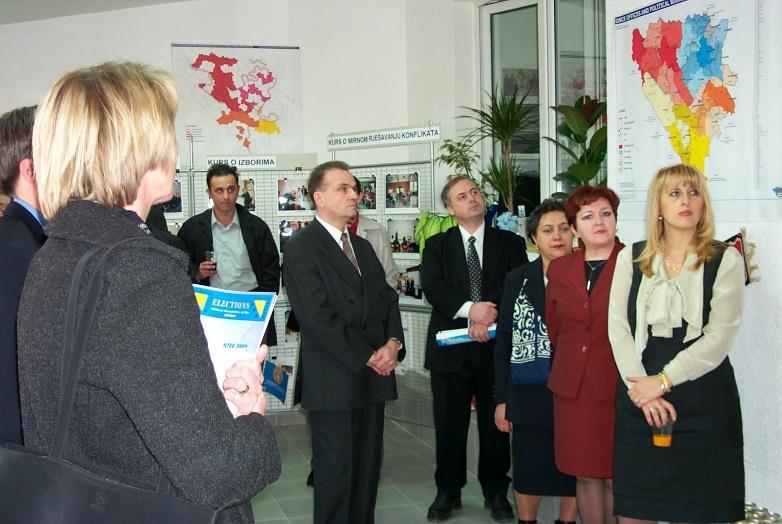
(41, 488)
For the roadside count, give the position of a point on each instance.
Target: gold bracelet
(665, 384)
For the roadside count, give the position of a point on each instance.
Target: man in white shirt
(351, 341)
(462, 275)
(244, 256)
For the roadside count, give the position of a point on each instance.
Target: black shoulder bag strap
(74, 340)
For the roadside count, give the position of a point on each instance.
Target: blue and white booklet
(234, 323)
(451, 337)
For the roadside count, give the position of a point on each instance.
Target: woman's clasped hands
(646, 394)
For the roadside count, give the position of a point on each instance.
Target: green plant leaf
(458, 155)
(504, 179)
(599, 138)
(503, 118)
(584, 173)
(598, 144)
(567, 177)
(564, 148)
(564, 130)
(600, 109)
(574, 120)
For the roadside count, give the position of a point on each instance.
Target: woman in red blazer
(583, 374)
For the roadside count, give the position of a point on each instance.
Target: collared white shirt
(464, 311)
(336, 234)
(234, 270)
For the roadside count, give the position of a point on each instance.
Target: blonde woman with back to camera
(147, 401)
(676, 306)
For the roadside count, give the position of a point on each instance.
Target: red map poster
(236, 100)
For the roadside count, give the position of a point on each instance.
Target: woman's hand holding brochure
(243, 384)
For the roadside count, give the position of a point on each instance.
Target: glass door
(513, 59)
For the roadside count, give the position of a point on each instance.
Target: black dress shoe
(443, 507)
(500, 508)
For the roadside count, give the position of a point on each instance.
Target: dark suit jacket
(20, 237)
(344, 317)
(578, 327)
(446, 284)
(196, 233)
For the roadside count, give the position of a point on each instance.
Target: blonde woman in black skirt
(675, 308)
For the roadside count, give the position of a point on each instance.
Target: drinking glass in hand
(662, 436)
(209, 256)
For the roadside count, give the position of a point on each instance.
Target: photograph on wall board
(368, 200)
(288, 228)
(279, 379)
(402, 193)
(173, 208)
(409, 283)
(247, 193)
(292, 195)
(400, 235)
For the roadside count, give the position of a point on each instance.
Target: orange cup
(662, 436)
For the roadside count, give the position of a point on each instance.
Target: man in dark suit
(21, 235)
(351, 342)
(462, 273)
(245, 257)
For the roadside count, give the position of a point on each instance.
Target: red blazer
(578, 329)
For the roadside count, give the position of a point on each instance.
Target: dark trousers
(452, 394)
(347, 451)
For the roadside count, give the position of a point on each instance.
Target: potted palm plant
(503, 120)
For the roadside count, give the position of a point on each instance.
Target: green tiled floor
(406, 482)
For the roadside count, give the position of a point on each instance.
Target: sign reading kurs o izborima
(384, 137)
(239, 162)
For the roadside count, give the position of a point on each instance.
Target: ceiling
(15, 11)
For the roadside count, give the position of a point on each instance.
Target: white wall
(442, 69)
(366, 64)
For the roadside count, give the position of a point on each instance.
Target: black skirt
(534, 473)
(700, 478)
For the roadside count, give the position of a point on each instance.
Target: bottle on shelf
(410, 287)
(395, 245)
(405, 247)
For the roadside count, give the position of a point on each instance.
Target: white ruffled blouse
(664, 304)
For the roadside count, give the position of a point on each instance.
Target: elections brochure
(234, 323)
(451, 337)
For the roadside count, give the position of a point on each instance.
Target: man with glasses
(231, 248)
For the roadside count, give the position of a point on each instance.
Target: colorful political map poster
(684, 86)
(236, 100)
